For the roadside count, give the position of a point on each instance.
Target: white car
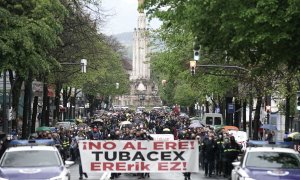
(267, 163)
(33, 162)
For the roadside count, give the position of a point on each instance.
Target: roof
(271, 149)
(32, 148)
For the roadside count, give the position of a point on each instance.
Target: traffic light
(193, 67)
(196, 55)
(196, 52)
(298, 100)
(83, 63)
(193, 70)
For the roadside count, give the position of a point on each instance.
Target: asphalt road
(153, 176)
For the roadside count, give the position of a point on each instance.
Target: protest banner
(162, 137)
(139, 156)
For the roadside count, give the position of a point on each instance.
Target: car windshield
(218, 121)
(272, 160)
(30, 159)
(209, 120)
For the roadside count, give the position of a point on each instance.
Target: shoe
(189, 178)
(111, 177)
(185, 178)
(80, 177)
(205, 175)
(85, 175)
(209, 175)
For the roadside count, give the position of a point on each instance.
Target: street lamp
(268, 109)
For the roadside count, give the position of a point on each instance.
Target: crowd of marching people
(216, 150)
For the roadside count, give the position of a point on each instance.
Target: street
(154, 176)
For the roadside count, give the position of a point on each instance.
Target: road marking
(105, 176)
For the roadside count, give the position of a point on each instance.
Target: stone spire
(140, 62)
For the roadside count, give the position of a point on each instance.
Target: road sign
(231, 108)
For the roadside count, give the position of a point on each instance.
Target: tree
(261, 36)
(29, 29)
(253, 29)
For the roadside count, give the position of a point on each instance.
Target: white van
(212, 119)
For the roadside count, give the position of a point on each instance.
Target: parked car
(267, 163)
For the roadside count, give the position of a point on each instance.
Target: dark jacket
(231, 151)
(209, 148)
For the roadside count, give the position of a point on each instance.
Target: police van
(212, 119)
(33, 159)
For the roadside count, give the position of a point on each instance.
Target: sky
(122, 16)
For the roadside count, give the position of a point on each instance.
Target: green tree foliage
(28, 30)
(264, 31)
(172, 64)
(81, 39)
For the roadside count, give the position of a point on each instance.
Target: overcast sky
(122, 16)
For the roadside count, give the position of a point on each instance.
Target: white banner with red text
(139, 156)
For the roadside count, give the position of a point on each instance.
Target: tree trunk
(250, 115)
(237, 113)
(29, 102)
(72, 110)
(26, 109)
(66, 97)
(257, 117)
(57, 102)
(65, 102)
(91, 100)
(45, 104)
(206, 107)
(16, 83)
(288, 107)
(47, 121)
(192, 111)
(245, 115)
(34, 113)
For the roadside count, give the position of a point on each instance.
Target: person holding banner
(81, 173)
(115, 135)
(140, 136)
(186, 136)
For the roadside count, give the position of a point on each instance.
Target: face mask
(220, 136)
(226, 140)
